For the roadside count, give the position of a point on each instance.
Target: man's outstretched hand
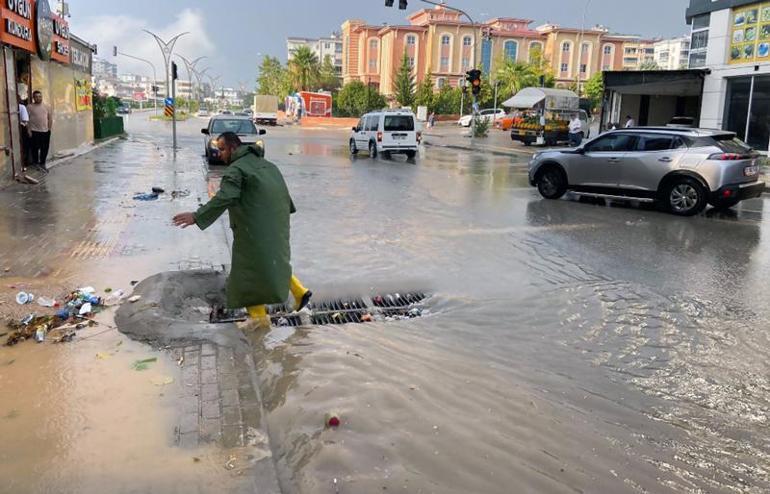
(184, 220)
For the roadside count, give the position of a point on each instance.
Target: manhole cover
(387, 307)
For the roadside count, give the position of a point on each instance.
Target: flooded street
(568, 347)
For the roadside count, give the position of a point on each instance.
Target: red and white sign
(140, 96)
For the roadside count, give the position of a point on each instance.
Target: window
(361, 124)
(411, 40)
(586, 48)
(372, 44)
(652, 143)
(608, 50)
(583, 68)
(700, 40)
(445, 39)
(511, 49)
(444, 62)
(466, 63)
(373, 64)
(745, 106)
(399, 123)
(612, 144)
(566, 46)
(564, 67)
(372, 122)
(410, 60)
(328, 46)
(606, 67)
(238, 126)
(701, 22)
(440, 82)
(467, 41)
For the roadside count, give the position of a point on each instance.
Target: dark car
(243, 126)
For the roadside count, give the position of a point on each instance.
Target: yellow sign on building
(750, 34)
(83, 95)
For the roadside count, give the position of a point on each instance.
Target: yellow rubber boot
(300, 293)
(258, 318)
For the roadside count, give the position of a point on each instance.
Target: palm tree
(515, 76)
(304, 68)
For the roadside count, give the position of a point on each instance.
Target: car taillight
(379, 136)
(419, 136)
(729, 157)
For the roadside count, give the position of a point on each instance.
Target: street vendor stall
(542, 115)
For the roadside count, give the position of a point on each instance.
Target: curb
(485, 150)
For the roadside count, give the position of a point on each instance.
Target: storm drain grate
(387, 307)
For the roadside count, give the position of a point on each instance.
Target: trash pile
(155, 193)
(73, 313)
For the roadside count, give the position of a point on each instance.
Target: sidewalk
(190, 422)
(452, 136)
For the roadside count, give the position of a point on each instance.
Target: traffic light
(474, 78)
(114, 51)
(174, 73)
(402, 4)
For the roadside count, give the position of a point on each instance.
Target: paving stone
(207, 349)
(208, 376)
(189, 440)
(189, 404)
(231, 415)
(208, 362)
(232, 436)
(209, 392)
(211, 409)
(211, 430)
(189, 422)
(230, 398)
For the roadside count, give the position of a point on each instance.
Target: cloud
(126, 33)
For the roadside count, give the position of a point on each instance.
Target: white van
(386, 131)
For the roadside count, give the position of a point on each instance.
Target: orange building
(439, 42)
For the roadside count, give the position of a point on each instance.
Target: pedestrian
(432, 120)
(254, 193)
(25, 133)
(575, 131)
(629, 122)
(40, 126)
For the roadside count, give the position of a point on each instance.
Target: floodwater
(569, 347)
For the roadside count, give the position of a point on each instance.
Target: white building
(322, 47)
(103, 69)
(672, 54)
(732, 40)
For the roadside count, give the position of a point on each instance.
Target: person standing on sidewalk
(40, 126)
(575, 131)
(254, 192)
(25, 132)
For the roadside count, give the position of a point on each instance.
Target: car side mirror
(261, 132)
(355, 129)
(205, 131)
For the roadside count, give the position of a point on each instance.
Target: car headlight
(213, 143)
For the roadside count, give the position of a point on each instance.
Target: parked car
(488, 115)
(203, 113)
(680, 169)
(123, 110)
(243, 126)
(682, 122)
(386, 132)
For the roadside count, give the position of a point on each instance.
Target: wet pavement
(570, 346)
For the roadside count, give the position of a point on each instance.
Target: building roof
(416, 29)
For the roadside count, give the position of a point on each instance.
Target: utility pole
(190, 66)
(167, 49)
(174, 77)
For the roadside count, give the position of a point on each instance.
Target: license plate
(398, 137)
(750, 171)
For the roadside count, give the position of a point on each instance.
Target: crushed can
(40, 334)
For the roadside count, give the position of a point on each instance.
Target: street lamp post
(154, 76)
(580, 48)
(190, 66)
(167, 48)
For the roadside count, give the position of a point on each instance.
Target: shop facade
(733, 40)
(40, 54)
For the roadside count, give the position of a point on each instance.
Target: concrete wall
(662, 110)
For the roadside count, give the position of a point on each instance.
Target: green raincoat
(255, 194)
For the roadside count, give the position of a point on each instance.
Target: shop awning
(561, 99)
(656, 82)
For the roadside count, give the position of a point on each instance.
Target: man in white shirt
(25, 133)
(629, 122)
(575, 131)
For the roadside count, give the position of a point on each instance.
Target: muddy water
(571, 347)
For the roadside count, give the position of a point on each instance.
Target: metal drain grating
(387, 307)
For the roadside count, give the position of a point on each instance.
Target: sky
(234, 34)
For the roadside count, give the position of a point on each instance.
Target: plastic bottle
(46, 302)
(40, 334)
(115, 298)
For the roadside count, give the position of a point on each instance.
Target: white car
(488, 115)
(203, 113)
(386, 132)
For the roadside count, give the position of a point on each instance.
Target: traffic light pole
(173, 115)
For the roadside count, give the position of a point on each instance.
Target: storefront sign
(17, 23)
(81, 56)
(83, 95)
(750, 34)
(60, 39)
(44, 29)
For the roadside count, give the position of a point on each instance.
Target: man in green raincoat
(255, 194)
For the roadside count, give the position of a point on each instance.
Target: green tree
(356, 98)
(425, 95)
(541, 67)
(304, 69)
(594, 89)
(447, 101)
(404, 84)
(273, 78)
(328, 78)
(649, 65)
(515, 76)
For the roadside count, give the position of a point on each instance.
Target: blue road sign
(169, 101)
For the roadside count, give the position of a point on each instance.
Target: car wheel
(372, 150)
(685, 197)
(353, 147)
(527, 142)
(411, 154)
(551, 183)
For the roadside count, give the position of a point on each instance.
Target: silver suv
(681, 169)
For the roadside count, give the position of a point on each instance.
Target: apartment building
(439, 42)
(330, 46)
(672, 54)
